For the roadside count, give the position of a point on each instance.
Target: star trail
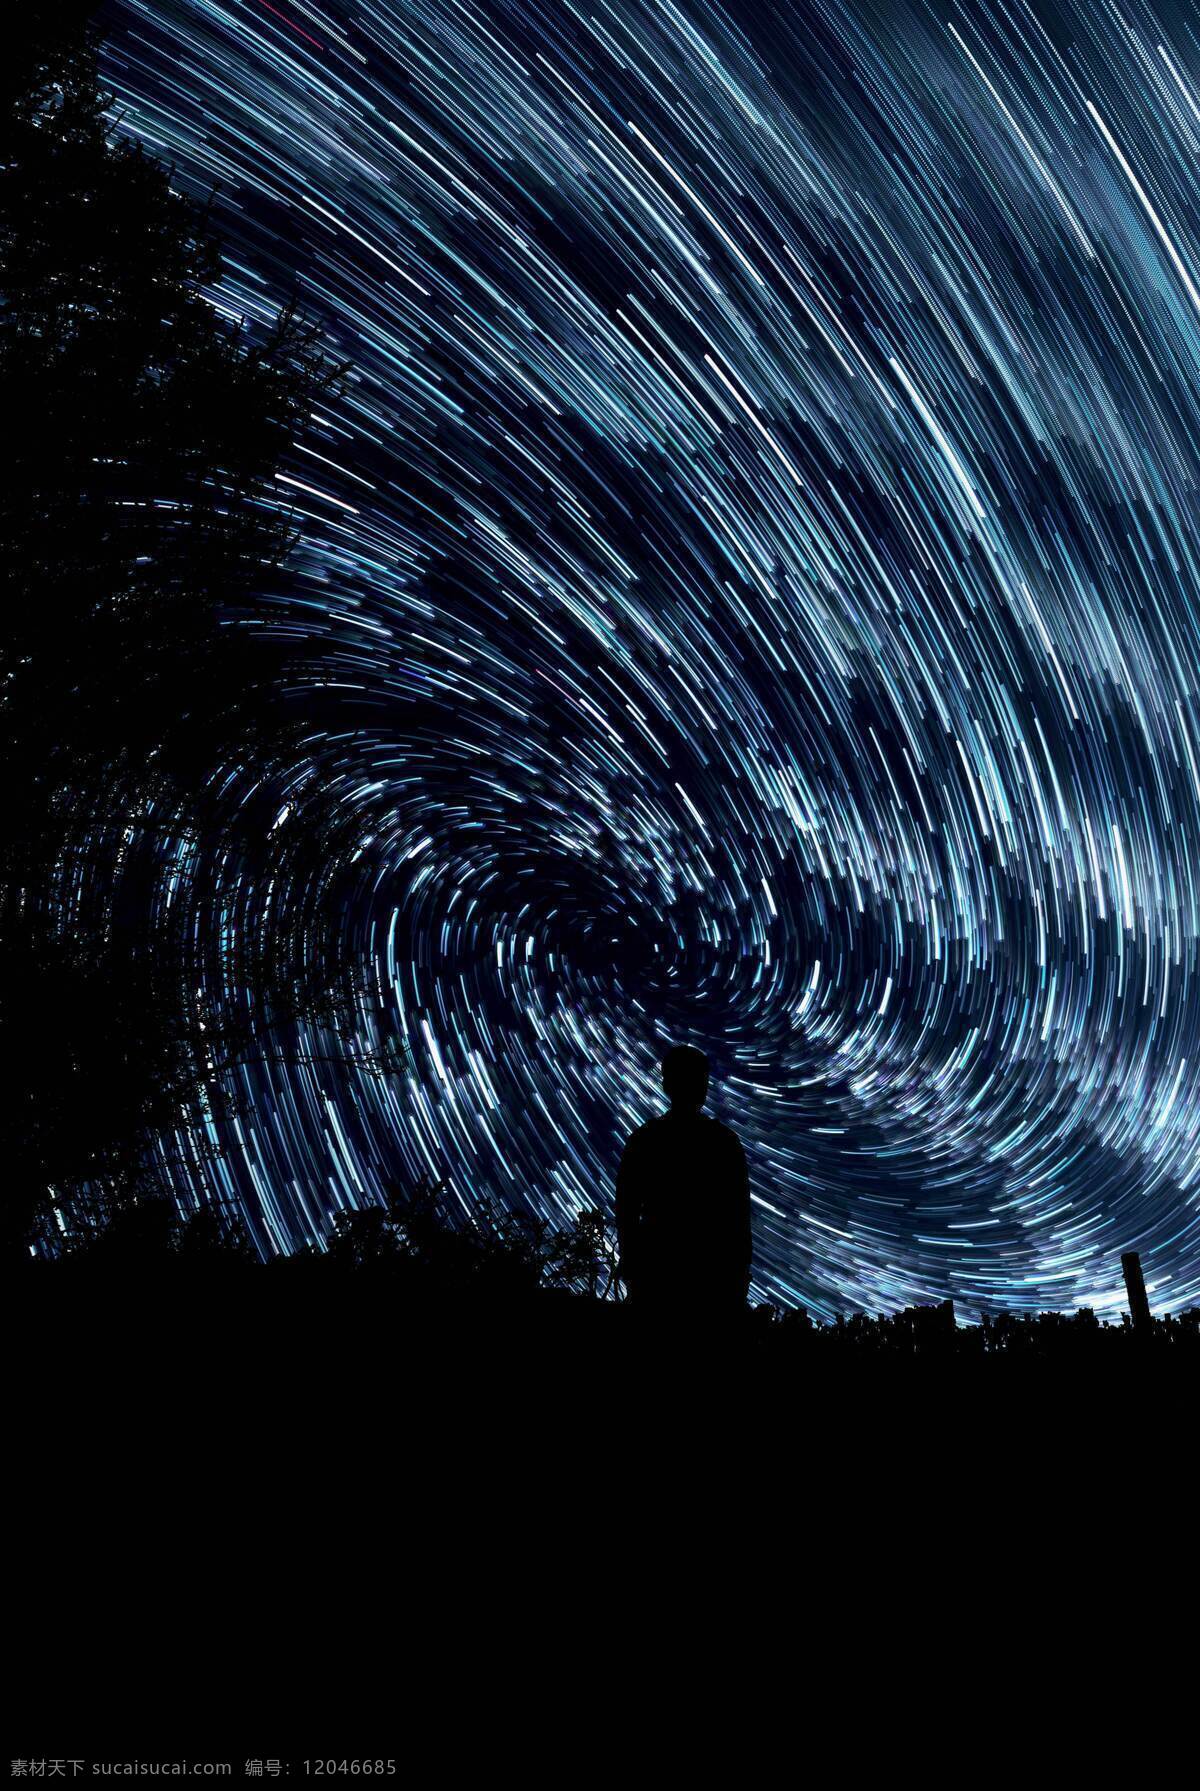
(757, 548)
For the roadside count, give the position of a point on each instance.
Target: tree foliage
(139, 515)
(139, 499)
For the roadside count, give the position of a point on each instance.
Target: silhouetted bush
(932, 1332)
(490, 1249)
(122, 1234)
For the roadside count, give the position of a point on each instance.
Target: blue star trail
(758, 548)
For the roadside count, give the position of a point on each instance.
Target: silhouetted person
(683, 1203)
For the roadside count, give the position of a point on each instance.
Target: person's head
(685, 1077)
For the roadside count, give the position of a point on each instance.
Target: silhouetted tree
(147, 435)
(138, 511)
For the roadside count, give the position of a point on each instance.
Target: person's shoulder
(724, 1137)
(644, 1134)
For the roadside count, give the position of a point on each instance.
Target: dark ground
(238, 1512)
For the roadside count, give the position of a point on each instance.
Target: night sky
(753, 570)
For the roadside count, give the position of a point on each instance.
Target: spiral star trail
(757, 545)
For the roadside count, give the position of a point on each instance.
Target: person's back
(683, 1202)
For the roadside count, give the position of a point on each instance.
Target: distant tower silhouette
(1135, 1288)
